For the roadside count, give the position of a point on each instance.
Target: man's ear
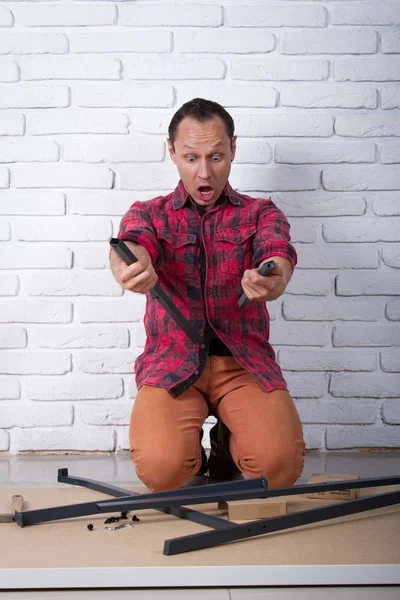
(171, 150)
(233, 148)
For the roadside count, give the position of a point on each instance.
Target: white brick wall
(87, 89)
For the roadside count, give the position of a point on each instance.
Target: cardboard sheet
(367, 538)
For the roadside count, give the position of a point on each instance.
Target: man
(204, 244)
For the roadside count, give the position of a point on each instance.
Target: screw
(135, 518)
(90, 527)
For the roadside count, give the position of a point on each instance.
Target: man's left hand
(265, 288)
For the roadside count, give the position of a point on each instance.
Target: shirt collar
(180, 196)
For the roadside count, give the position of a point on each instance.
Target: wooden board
(368, 538)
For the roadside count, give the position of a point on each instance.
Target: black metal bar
(209, 539)
(138, 504)
(156, 292)
(265, 269)
(187, 514)
(312, 488)
(248, 489)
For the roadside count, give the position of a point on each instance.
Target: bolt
(90, 527)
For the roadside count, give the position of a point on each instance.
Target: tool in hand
(17, 502)
(156, 292)
(265, 269)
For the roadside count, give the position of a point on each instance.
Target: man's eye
(216, 157)
(190, 158)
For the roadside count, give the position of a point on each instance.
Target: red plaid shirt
(236, 235)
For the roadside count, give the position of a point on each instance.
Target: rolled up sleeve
(136, 226)
(272, 236)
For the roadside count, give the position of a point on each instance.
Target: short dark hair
(201, 110)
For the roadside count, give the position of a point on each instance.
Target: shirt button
(196, 372)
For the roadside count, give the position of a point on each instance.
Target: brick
(89, 202)
(242, 41)
(304, 233)
(295, 152)
(33, 43)
(39, 415)
(367, 126)
(361, 178)
(370, 335)
(127, 309)
(390, 153)
(391, 256)
(300, 334)
(122, 41)
(357, 411)
(79, 337)
(386, 204)
(228, 94)
(124, 95)
(365, 14)
(262, 69)
(283, 179)
(393, 310)
(363, 437)
(12, 124)
(154, 123)
(170, 15)
(13, 337)
(319, 204)
(96, 257)
(64, 15)
(331, 309)
(172, 68)
(35, 311)
(4, 231)
(146, 177)
(71, 67)
(346, 256)
(32, 202)
(65, 229)
(108, 149)
(106, 362)
(390, 97)
(316, 283)
(276, 15)
(390, 41)
(36, 258)
(391, 412)
(370, 385)
(386, 68)
(253, 152)
(35, 363)
(4, 178)
(390, 360)
(361, 230)
(72, 284)
(74, 388)
(257, 125)
(314, 437)
(333, 41)
(4, 441)
(329, 96)
(306, 385)
(9, 284)
(70, 439)
(34, 96)
(6, 17)
(28, 150)
(307, 359)
(77, 122)
(9, 388)
(62, 175)
(106, 414)
(9, 71)
(376, 284)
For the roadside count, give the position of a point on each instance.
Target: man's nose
(204, 170)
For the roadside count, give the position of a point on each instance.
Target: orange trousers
(266, 437)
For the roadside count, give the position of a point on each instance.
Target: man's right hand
(139, 277)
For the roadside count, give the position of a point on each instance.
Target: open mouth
(206, 192)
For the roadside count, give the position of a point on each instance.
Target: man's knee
(280, 469)
(161, 471)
